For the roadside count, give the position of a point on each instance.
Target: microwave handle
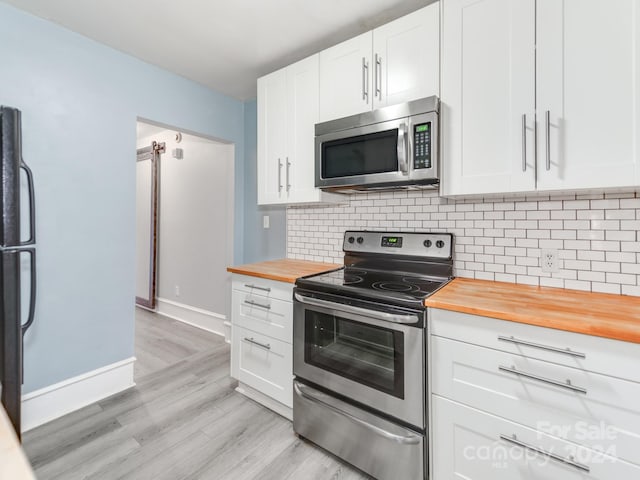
(403, 149)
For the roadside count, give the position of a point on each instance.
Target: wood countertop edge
(541, 315)
(285, 270)
(265, 275)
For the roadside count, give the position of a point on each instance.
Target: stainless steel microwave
(392, 147)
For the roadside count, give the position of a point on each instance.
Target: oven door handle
(387, 317)
(303, 392)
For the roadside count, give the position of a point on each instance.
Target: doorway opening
(184, 241)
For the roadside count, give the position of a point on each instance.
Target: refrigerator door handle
(32, 205)
(32, 296)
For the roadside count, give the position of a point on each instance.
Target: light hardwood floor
(183, 420)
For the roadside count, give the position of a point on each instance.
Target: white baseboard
(227, 331)
(196, 317)
(265, 400)
(42, 406)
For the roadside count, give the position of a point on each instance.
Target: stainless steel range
(359, 351)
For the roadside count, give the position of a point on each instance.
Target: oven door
(372, 357)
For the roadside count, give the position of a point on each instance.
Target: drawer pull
(566, 351)
(566, 460)
(263, 345)
(520, 373)
(266, 289)
(256, 304)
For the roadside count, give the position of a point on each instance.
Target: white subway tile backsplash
(596, 235)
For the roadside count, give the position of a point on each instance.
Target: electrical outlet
(549, 260)
(265, 221)
(177, 290)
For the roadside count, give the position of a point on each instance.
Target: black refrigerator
(17, 246)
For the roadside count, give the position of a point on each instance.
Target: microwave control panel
(422, 146)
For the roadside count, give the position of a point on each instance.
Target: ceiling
(225, 45)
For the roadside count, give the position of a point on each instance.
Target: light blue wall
(80, 101)
(259, 243)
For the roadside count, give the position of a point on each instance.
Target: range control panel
(435, 245)
(422, 146)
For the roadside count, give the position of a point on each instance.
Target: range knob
(351, 239)
(360, 239)
(439, 244)
(427, 243)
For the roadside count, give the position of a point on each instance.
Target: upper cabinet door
(302, 115)
(346, 77)
(488, 96)
(406, 58)
(588, 84)
(272, 137)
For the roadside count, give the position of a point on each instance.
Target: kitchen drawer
(468, 445)
(263, 287)
(601, 355)
(605, 418)
(269, 316)
(264, 363)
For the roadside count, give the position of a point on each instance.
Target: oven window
(361, 155)
(367, 354)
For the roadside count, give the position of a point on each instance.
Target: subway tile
(606, 287)
(625, 236)
(596, 235)
(577, 285)
(631, 290)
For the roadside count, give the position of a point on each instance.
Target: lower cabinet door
(264, 363)
(473, 445)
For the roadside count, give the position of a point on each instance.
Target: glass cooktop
(394, 287)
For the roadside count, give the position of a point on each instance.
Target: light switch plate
(265, 221)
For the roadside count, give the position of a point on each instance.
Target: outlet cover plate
(549, 260)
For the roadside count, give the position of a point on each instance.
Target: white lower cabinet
(474, 445)
(261, 341)
(514, 401)
(263, 363)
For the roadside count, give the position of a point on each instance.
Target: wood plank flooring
(183, 420)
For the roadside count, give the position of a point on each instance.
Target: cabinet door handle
(524, 142)
(365, 80)
(257, 287)
(263, 345)
(288, 167)
(256, 304)
(566, 351)
(566, 460)
(279, 176)
(532, 376)
(547, 117)
(378, 77)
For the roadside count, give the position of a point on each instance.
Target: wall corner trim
(47, 404)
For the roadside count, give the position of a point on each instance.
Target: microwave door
(373, 154)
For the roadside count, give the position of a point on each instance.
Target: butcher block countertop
(284, 270)
(599, 314)
(13, 462)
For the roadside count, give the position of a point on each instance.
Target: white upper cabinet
(571, 66)
(406, 58)
(392, 64)
(346, 78)
(272, 136)
(287, 114)
(488, 96)
(588, 87)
